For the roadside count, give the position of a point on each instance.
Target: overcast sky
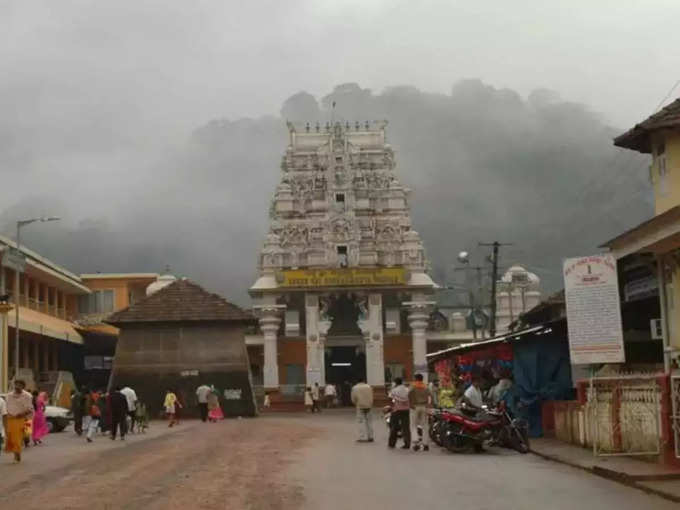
(95, 96)
(178, 63)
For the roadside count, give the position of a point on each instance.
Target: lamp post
(17, 276)
(464, 259)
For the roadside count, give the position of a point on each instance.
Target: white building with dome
(518, 291)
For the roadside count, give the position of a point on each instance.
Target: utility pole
(494, 277)
(17, 275)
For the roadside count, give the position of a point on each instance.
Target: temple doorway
(345, 366)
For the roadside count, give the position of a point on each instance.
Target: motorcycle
(436, 425)
(464, 429)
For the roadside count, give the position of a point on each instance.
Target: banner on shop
(591, 291)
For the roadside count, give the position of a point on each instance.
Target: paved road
(340, 474)
(293, 462)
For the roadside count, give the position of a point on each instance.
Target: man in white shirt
(131, 398)
(329, 392)
(202, 393)
(473, 395)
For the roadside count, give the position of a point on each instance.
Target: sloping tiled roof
(637, 138)
(181, 301)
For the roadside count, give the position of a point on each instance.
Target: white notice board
(591, 289)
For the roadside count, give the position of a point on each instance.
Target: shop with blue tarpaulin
(536, 358)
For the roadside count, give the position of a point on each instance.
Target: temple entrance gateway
(341, 269)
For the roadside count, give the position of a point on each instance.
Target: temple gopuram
(343, 291)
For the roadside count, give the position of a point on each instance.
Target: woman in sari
(40, 429)
(214, 409)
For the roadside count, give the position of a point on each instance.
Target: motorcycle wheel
(454, 442)
(435, 435)
(519, 441)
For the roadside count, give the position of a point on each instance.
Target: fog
(155, 129)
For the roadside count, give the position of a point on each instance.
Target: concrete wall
(153, 358)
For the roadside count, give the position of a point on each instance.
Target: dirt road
(232, 464)
(293, 462)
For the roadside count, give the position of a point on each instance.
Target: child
(308, 399)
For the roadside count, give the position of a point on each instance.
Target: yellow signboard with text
(342, 277)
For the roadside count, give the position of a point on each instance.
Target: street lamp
(17, 276)
(464, 259)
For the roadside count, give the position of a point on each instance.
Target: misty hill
(485, 164)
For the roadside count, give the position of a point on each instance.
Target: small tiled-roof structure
(637, 138)
(550, 309)
(181, 301)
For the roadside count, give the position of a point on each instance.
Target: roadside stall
(537, 359)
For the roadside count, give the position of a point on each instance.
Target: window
(340, 198)
(99, 301)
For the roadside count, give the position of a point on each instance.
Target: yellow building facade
(60, 317)
(659, 136)
(47, 302)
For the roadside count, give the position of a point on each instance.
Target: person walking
(400, 416)
(171, 404)
(77, 411)
(214, 409)
(131, 398)
(329, 394)
(19, 405)
(202, 393)
(420, 398)
(40, 428)
(362, 398)
(316, 395)
(94, 412)
(119, 412)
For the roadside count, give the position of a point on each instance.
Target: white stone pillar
(419, 314)
(315, 372)
(375, 362)
(269, 324)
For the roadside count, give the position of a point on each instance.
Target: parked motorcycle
(463, 429)
(436, 425)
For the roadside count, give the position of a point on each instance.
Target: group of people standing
(116, 412)
(409, 406)
(405, 401)
(331, 395)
